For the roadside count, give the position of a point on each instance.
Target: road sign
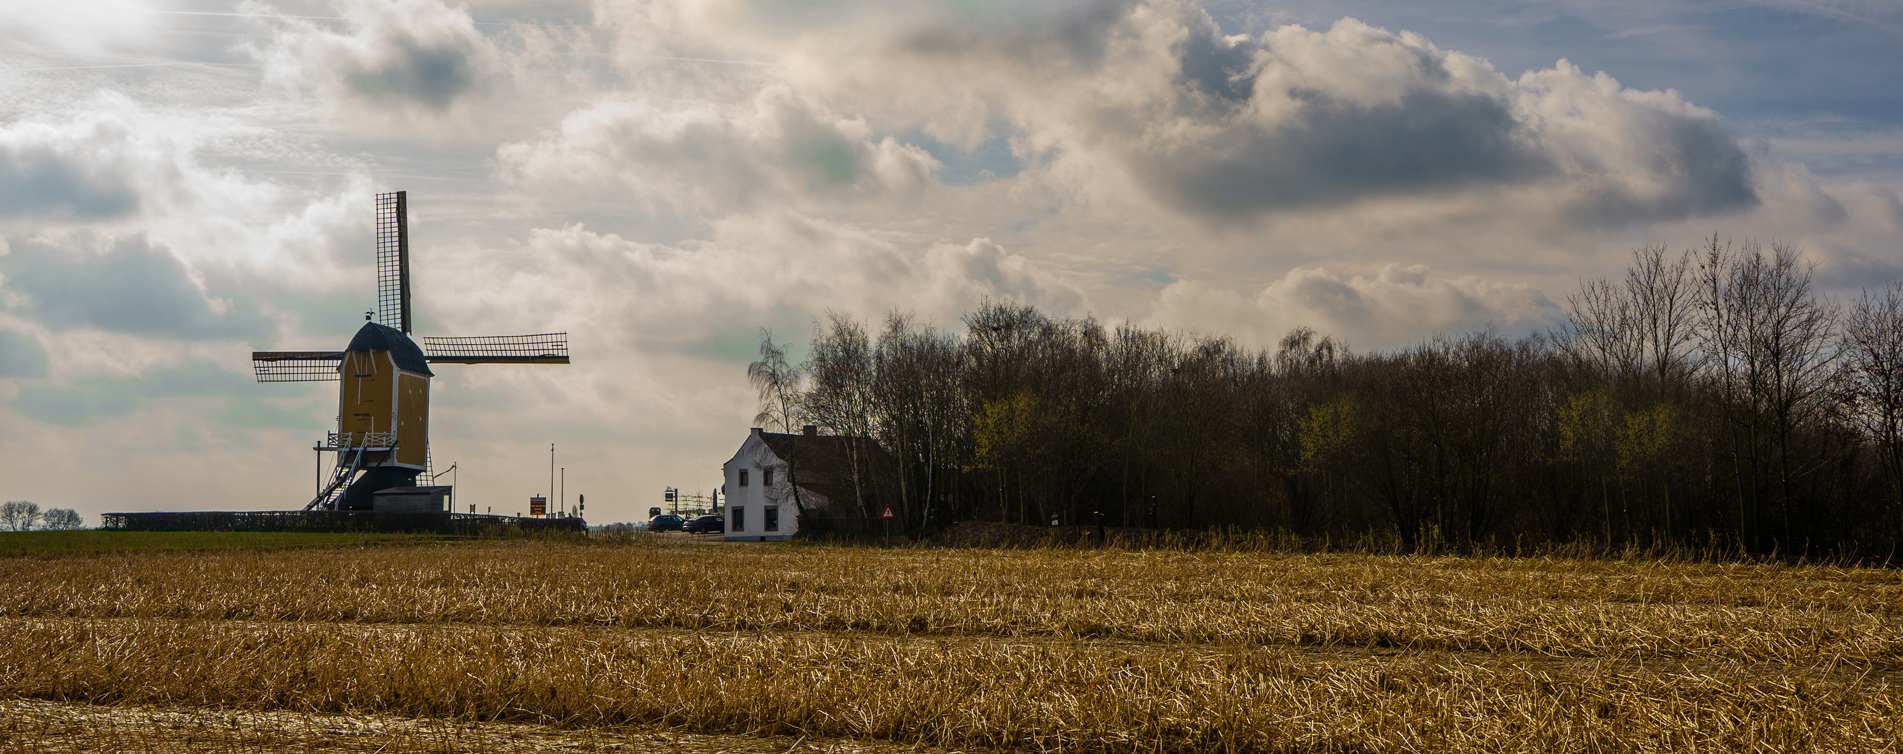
(887, 515)
(538, 506)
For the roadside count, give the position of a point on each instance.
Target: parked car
(706, 525)
(665, 522)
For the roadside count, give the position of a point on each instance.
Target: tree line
(1707, 397)
(25, 515)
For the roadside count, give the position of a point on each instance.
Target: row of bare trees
(1709, 396)
(25, 515)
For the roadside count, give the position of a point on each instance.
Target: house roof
(408, 356)
(823, 463)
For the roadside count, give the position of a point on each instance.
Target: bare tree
(1873, 345)
(58, 519)
(1773, 346)
(923, 417)
(778, 385)
(1662, 303)
(1603, 328)
(1720, 342)
(19, 515)
(840, 398)
(1642, 327)
(1795, 332)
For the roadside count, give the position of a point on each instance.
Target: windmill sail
(393, 260)
(541, 348)
(296, 366)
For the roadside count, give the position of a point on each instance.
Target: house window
(738, 517)
(773, 518)
(766, 477)
(743, 477)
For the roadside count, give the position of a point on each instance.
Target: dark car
(665, 522)
(706, 525)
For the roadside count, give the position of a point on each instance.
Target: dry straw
(1038, 650)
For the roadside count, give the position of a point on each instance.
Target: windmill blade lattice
(296, 366)
(393, 260)
(540, 348)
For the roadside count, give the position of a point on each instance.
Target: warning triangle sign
(887, 515)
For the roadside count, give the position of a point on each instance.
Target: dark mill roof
(374, 337)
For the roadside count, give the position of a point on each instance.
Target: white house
(759, 482)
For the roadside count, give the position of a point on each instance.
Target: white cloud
(86, 30)
(779, 270)
(1634, 155)
(107, 157)
(1386, 307)
(694, 159)
(1229, 128)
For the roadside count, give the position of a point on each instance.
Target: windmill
(382, 436)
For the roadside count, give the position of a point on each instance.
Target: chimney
(756, 430)
(810, 430)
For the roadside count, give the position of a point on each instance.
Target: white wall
(747, 505)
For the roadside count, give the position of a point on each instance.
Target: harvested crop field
(460, 645)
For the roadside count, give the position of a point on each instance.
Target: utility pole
(551, 467)
(563, 505)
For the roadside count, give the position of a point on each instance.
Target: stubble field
(664, 644)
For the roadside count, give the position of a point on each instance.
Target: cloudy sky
(184, 180)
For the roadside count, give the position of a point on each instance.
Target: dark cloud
(1336, 152)
(38, 180)
(1215, 65)
(1299, 119)
(90, 398)
(419, 53)
(430, 72)
(1232, 128)
(1850, 269)
(1072, 32)
(132, 287)
(1698, 169)
(1066, 32)
(21, 356)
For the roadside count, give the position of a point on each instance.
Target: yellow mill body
(383, 398)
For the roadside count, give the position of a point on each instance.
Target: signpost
(538, 506)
